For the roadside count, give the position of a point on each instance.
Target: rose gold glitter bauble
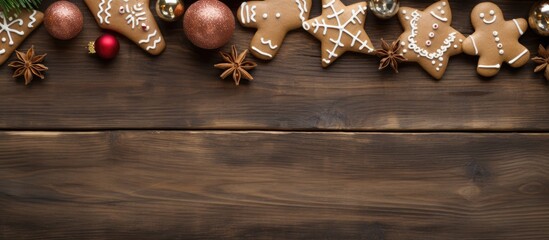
(209, 24)
(63, 20)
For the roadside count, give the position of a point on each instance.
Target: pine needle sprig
(15, 6)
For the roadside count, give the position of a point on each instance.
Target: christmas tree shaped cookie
(131, 18)
(16, 28)
(495, 40)
(428, 38)
(273, 20)
(340, 29)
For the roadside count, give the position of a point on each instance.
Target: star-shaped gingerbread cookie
(495, 40)
(340, 29)
(131, 18)
(15, 29)
(273, 20)
(428, 38)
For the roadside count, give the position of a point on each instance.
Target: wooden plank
(271, 185)
(181, 90)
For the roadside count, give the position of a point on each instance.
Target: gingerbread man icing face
(495, 40)
(273, 20)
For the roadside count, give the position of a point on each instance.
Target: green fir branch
(15, 6)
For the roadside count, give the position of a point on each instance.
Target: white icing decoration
(494, 18)
(439, 17)
(261, 52)
(447, 43)
(242, 6)
(518, 26)
(265, 16)
(481, 15)
(135, 14)
(518, 57)
(456, 46)
(434, 62)
(306, 26)
(500, 45)
(252, 17)
(33, 20)
(269, 43)
(5, 27)
(492, 12)
(495, 33)
(277, 15)
(326, 61)
(501, 52)
(2, 51)
(431, 34)
(497, 66)
(403, 11)
(106, 11)
(302, 6)
(148, 38)
(444, 4)
(158, 40)
(341, 27)
(3, 39)
(497, 39)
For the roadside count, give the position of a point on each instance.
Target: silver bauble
(539, 18)
(384, 9)
(169, 10)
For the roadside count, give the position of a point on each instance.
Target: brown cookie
(131, 18)
(15, 29)
(273, 20)
(495, 40)
(340, 29)
(428, 38)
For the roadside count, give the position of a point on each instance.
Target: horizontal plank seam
(30, 131)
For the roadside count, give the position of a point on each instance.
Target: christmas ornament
(495, 40)
(236, 66)
(542, 60)
(15, 29)
(169, 10)
(384, 9)
(273, 19)
(428, 38)
(106, 46)
(28, 65)
(390, 55)
(539, 17)
(63, 20)
(340, 28)
(131, 18)
(209, 24)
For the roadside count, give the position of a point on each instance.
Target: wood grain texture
(272, 185)
(181, 90)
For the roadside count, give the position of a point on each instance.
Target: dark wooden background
(159, 148)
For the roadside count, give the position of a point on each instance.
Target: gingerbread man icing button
(428, 38)
(131, 18)
(273, 20)
(495, 40)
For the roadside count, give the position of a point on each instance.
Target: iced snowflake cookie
(340, 29)
(131, 18)
(428, 38)
(273, 20)
(495, 40)
(15, 29)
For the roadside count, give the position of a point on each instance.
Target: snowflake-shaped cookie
(428, 38)
(16, 28)
(340, 28)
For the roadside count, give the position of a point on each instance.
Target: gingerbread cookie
(340, 28)
(15, 29)
(273, 19)
(131, 18)
(495, 40)
(428, 38)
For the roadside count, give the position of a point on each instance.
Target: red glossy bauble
(63, 20)
(209, 24)
(107, 46)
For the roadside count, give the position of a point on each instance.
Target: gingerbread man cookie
(340, 28)
(131, 18)
(273, 20)
(495, 40)
(14, 29)
(428, 38)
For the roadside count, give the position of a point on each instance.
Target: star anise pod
(389, 55)
(235, 65)
(542, 60)
(28, 65)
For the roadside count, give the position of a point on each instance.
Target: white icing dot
(501, 52)
(441, 59)
(404, 51)
(455, 46)
(403, 43)
(435, 26)
(440, 64)
(121, 10)
(500, 46)
(3, 39)
(460, 40)
(497, 39)
(443, 4)
(492, 12)
(403, 11)
(481, 15)
(495, 33)
(428, 43)
(10, 19)
(407, 18)
(277, 15)
(442, 12)
(431, 34)
(434, 62)
(439, 7)
(265, 16)
(438, 69)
